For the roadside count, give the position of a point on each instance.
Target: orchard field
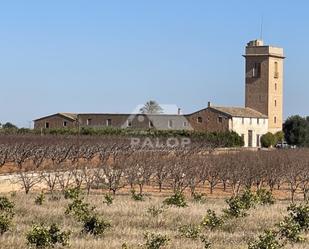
(65, 192)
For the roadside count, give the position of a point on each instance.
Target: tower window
(276, 75)
(275, 119)
(275, 102)
(256, 71)
(276, 86)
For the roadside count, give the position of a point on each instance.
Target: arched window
(275, 119)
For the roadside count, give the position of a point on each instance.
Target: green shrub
(155, 211)
(155, 241)
(41, 236)
(300, 215)
(268, 240)
(199, 197)
(264, 197)
(5, 222)
(211, 220)
(108, 199)
(190, 231)
(236, 207)
(95, 226)
(6, 214)
(6, 205)
(290, 230)
(40, 199)
(72, 193)
(79, 209)
(178, 200)
(248, 198)
(268, 140)
(136, 197)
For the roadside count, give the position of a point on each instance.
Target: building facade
(262, 112)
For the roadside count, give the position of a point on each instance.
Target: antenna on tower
(261, 30)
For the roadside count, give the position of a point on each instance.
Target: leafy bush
(5, 222)
(190, 231)
(155, 241)
(290, 230)
(72, 193)
(136, 197)
(39, 199)
(80, 210)
(237, 208)
(264, 197)
(155, 211)
(268, 140)
(41, 236)
(239, 205)
(6, 214)
(108, 199)
(211, 220)
(95, 225)
(178, 200)
(249, 199)
(268, 240)
(6, 205)
(300, 215)
(199, 197)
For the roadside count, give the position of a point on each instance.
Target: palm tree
(151, 107)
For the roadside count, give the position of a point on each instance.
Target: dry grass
(130, 221)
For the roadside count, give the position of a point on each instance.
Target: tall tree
(296, 130)
(9, 125)
(151, 107)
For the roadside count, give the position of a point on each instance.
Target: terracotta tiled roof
(245, 112)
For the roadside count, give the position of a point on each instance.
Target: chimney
(209, 104)
(179, 111)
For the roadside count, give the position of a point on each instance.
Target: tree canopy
(296, 130)
(151, 107)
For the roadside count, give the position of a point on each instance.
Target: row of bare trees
(59, 163)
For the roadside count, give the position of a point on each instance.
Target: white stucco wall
(243, 125)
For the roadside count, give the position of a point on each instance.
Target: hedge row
(221, 139)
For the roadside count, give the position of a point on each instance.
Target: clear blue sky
(109, 56)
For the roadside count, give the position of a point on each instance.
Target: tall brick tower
(264, 82)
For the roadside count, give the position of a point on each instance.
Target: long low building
(248, 123)
(262, 112)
